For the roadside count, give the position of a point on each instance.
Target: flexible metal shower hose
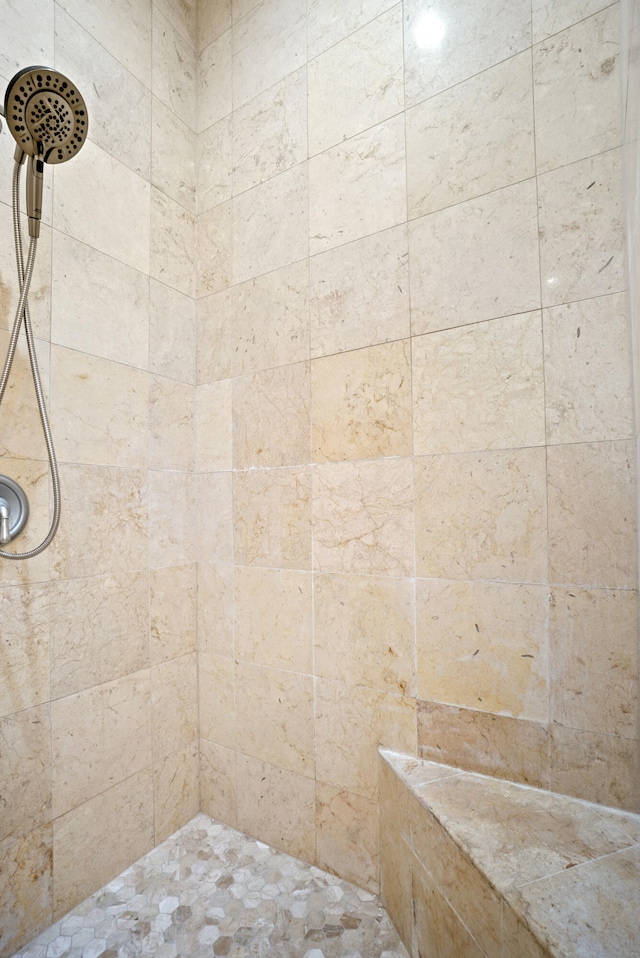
(22, 312)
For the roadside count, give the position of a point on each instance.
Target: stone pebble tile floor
(210, 891)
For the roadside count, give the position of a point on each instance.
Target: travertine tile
(41, 288)
(269, 43)
(214, 427)
(471, 139)
(25, 771)
(174, 69)
(100, 737)
(173, 243)
(477, 260)
(214, 164)
(517, 939)
(218, 782)
(361, 403)
(216, 695)
(600, 768)
(172, 333)
(171, 424)
(357, 83)
(214, 325)
(479, 387)
(172, 519)
(215, 517)
(437, 929)
(272, 417)
(359, 293)
(172, 624)
(364, 628)
(26, 887)
(363, 517)
(124, 30)
(587, 371)
(358, 187)
(273, 618)
(347, 835)
(577, 91)
(24, 652)
(22, 436)
(592, 528)
(34, 479)
(213, 19)
(482, 516)
(174, 704)
(215, 607)
(549, 17)
(395, 850)
(214, 249)
(173, 156)
(99, 630)
(272, 517)
(329, 21)
(176, 797)
(281, 731)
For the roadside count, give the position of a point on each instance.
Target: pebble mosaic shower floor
(208, 890)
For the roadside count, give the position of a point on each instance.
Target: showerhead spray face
(48, 120)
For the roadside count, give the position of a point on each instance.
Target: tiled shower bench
(472, 866)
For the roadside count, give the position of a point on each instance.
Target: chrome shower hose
(22, 313)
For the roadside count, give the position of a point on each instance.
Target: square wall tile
(172, 625)
(269, 43)
(215, 82)
(172, 436)
(124, 30)
(174, 698)
(173, 156)
(215, 606)
(172, 333)
(218, 782)
(273, 618)
(329, 21)
(214, 429)
(550, 18)
(217, 699)
(215, 517)
(173, 243)
(174, 69)
(598, 768)
(26, 889)
(25, 771)
(214, 325)
(272, 517)
(172, 519)
(24, 675)
(347, 835)
(272, 417)
(176, 792)
(437, 929)
(213, 19)
(214, 164)
(214, 230)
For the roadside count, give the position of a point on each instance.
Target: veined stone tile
(437, 928)
(124, 30)
(175, 791)
(269, 43)
(215, 81)
(215, 517)
(329, 21)
(218, 781)
(41, 290)
(214, 428)
(214, 326)
(272, 517)
(599, 768)
(174, 69)
(273, 618)
(183, 16)
(213, 19)
(215, 606)
(26, 888)
(217, 696)
(347, 835)
(173, 156)
(172, 333)
(272, 417)
(214, 164)
(172, 625)
(25, 771)
(172, 437)
(172, 519)
(549, 17)
(174, 705)
(22, 436)
(173, 243)
(24, 654)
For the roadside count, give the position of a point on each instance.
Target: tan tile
(517, 939)
(395, 851)
(176, 795)
(280, 729)
(126, 810)
(273, 618)
(364, 631)
(272, 517)
(25, 771)
(215, 607)
(361, 403)
(479, 387)
(214, 427)
(218, 782)
(100, 736)
(277, 805)
(24, 651)
(437, 929)
(172, 612)
(171, 425)
(217, 699)
(213, 19)
(215, 517)
(214, 249)
(214, 324)
(600, 768)
(44, 284)
(484, 645)
(22, 433)
(351, 722)
(482, 742)
(482, 515)
(172, 333)
(363, 517)
(347, 836)
(173, 244)
(393, 797)
(172, 518)
(272, 417)
(592, 503)
(26, 888)
(174, 704)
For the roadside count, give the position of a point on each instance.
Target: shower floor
(209, 890)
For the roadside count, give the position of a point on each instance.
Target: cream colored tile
(214, 249)
(215, 517)
(40, 290)
(172, 612)
(359, 293)
(99, 737)
(83, 283)
(26, 890)
(437, 929)
(577, 91)
(183, 15)
(357, 83)
(24, 652)
(280, 116)
(99, 410)
(280, 730)
(272, 517)
(594, 660)
(277, 805)
(99, 630)
(359, 187)
(214, 326)
(272, 417)
(363, 517)
(34, 479)
(587, 372)
(271, 224)
(173, 243)
(172, 333)
(171, 424)
(176, 797)
(172, 519)
(217, 699)
(364, 631)
(214, 164)
(218, 782)
(215, 607)
(484, 645)
(174, 69)
(22, 435)
(240, 8)
(126, 810)
(273, 618)
(213, 19)
(122, 27)
(395, 852)
(361, 403)
(443, 47)
(27, 37)
(592, 528)
(174, 704)
(517, 939)
(599, 768)
(482, 516)
(109, 532)
(475, 261)
(581, 230)
(550, 17)
(479, 387)
(173, 156)
(214, 427)
(329, 21)
(351, 722)
(215, 81)
(471, 139)
(271, 320)
(269, 43)
(347, 835)
(25, 771)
